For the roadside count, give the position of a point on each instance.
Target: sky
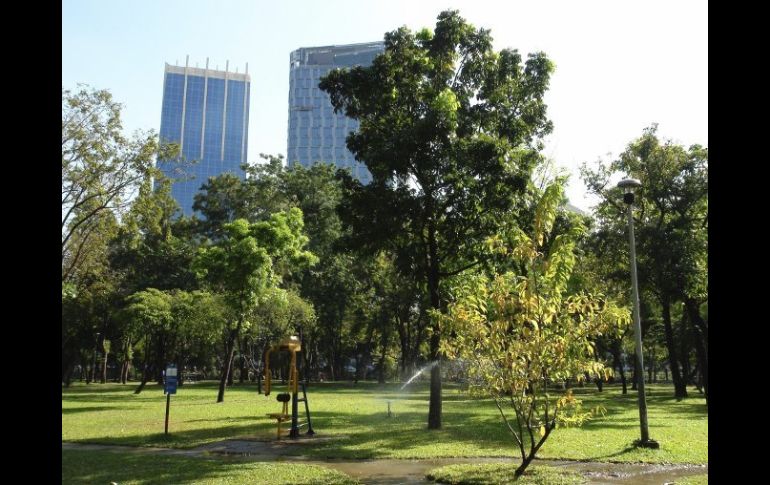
(620, 65)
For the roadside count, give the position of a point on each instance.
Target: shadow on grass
(184, 439)
(106, 467)
(89, 467)
(88, 409)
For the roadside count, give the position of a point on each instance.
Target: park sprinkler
(629, 186)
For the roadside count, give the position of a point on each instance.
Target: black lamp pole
(628, 186)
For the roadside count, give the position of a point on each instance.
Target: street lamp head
(629, 186)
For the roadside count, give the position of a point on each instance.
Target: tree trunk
(701, 342)
(381, 363)
(146, 370)
(104, 367)
(524, 464)
(637, 373)
(618, 363)
(124, 371)
(332, 357)
(651, 364)
(434, 409)
(242, 361)
(68, 374)
(228, 362)
(680, 387)
(684, 353)
(160, 364)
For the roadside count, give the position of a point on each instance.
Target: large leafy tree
(147, 316)
(672, 241)
(245, 263)
(101, 169)
(450, 130)
(147, 251)
(525, 330)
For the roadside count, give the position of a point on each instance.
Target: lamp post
(628, 186)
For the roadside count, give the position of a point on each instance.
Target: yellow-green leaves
(545, 212)
(444, 106)
(524, 332)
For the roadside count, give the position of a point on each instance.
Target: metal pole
(168, 405)
(638, 335)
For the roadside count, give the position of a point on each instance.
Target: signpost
(169, 388)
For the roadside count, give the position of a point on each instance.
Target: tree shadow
(98, 466)
(86, 409)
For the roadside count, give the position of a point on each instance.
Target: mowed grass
(355, 417)
(503, 474)
(92, 466)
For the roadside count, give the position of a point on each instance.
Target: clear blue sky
(620, 65)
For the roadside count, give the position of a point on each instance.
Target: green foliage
(672, 215)
(671, 224)
(455, 146)
(502, 473)
(101, 169)
(450, 131)
(522, 332)
(243, 264)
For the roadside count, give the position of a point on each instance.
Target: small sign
(170, 382)
(170, 386)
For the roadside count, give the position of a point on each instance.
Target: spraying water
(429, 366)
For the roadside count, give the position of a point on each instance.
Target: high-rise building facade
(206, 112)
(316, 133)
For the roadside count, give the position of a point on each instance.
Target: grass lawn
(500, 474)
(356, 416)
(92, 466)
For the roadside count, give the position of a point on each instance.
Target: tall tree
(450, 131)
(525, 330)
(101, 169)
(672, 224)
(240, 266)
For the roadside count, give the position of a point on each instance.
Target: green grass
(355, 416)
(693, 480)
(502, 473)
(89, 467)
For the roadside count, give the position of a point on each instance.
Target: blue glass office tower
(207, 113)
(316, 133)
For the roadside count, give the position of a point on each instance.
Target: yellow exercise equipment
(291, 345)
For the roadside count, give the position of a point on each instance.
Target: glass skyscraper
(316, 133)
(206, 112)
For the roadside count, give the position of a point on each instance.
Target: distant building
(316, 133)
(206, 111)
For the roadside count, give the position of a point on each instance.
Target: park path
(392, 471)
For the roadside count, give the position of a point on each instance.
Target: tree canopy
(450, 131)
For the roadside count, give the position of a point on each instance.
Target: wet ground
(377, 472)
